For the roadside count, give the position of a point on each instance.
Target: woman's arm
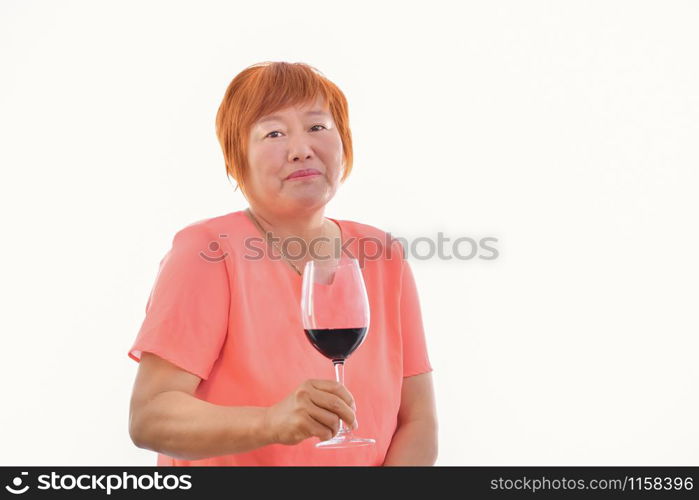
(415, 439)
(166, 417)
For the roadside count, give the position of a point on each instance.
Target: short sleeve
(415, 357)
(186, 319)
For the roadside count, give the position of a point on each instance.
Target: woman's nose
(299, 152)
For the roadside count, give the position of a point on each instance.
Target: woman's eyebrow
(307, 113)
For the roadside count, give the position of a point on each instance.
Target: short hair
(266, 87)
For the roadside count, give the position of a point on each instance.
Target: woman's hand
(314, 408)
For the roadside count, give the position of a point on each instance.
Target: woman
(226, 375)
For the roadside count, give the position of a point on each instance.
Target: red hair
(264, 88)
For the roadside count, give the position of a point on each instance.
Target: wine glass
(335, 312)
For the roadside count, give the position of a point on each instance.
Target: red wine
(336, 343)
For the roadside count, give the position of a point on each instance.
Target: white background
(567, 130)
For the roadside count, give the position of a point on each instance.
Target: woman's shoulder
(360, 228)
(363, 229)
(372, 238)
(214, 227)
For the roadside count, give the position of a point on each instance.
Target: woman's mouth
(306, 172)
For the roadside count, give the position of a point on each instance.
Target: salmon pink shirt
(228, 311)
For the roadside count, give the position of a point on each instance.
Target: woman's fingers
(334, 387)
(323, 432)
(326, 418)
(335, 404)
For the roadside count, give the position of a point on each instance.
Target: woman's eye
(277, 132)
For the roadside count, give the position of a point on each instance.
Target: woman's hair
(266, 87)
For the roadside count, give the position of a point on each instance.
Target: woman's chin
(310, 201)
(308, 196)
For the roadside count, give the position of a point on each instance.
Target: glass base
(345, 440)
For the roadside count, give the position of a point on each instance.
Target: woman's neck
(307, 226)
(307, 229)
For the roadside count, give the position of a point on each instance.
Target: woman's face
(291, 139)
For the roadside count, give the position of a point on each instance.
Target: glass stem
(340, 377)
